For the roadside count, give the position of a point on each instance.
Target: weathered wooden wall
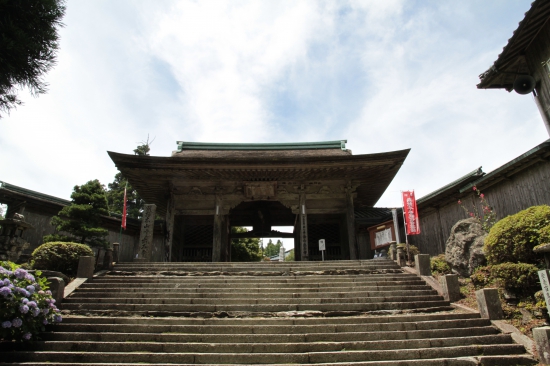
(528, 188)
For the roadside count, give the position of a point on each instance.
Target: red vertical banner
(411, 213)
(124, 211)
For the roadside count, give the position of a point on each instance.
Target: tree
(115, 197)
(245, 249)
(82, 219)
(28, 46)
(272, 249)
(290, 256)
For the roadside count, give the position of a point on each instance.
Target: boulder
(464, 248)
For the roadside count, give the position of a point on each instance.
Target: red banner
(124, 211)
(411, 214)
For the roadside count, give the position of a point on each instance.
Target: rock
(464, 248)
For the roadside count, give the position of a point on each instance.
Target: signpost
(322, 248)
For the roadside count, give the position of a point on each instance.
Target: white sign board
(382, 237)
(322, 244)
(282, 254)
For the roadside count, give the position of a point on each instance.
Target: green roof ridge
(337, 144)
(501, 168)
(459, 181)
(28, 192)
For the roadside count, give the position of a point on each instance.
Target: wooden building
(524, 64)
(205, 188)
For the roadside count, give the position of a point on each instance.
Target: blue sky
(385, 75)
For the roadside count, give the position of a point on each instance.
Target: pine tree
(82, 218)
(272, 249)
(28, 46)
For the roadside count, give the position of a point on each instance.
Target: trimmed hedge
(513, 238)
(60, 256)
(519, 278)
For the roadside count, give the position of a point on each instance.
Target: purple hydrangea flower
(17, 322)
(24, 309)
(45, 321)
(46, 311)
(57, 318)
(31, 289)
(6, 281)
(36, 312)
(27, 336)
(24, 300)
(32, 304)
(20, 273)
(5, 291)
(29, 277)
(41, 292)
(6, 324)
(48, 292)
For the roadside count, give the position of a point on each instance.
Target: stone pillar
(218, 223)
(544, 277)
(85, 267)
(108, 259)
(451, 287)
(170, 215)
(489, 304)
(57, 287)
(350, 220)
(422, 263)
(541, 336)
(145, 247)
(303, 227)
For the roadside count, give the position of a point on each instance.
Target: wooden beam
(217, 243)
(170, 214)
(350, 220)
(303, 227)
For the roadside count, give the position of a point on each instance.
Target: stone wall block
(541, 336)
(57, 287)
(422, 263)
(451, 287)
(489, 304)
(86, 266)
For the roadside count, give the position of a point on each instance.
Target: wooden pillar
(350, 219)
(225, 245)
(304, 250)
(218, 227)
(170, 215)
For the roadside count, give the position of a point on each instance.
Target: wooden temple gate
(204, 189)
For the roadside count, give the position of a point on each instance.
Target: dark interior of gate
(316, 188)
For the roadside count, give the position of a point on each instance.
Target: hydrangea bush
(26, 304)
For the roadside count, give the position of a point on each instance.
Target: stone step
(365, 307)
(299, 319)
(237, 328)
(111, 278)
(508, 360)
(265, 358)
(237, 295)
(273, 348)
(273, 284)
(350, 299)
(267, 338)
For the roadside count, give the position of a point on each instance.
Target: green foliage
(513, 238)
(245, 249)
(413, 250)
(290, 256)
(439, 265)
(82, 219)
(272, 249)
(115, 198)
(59, 256)
(26, 305)
(519, 278)
(28, 44)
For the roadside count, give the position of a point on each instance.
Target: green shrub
(513, 238)
(518, 278)
(412, 250)
(439, 265)
(60, 256)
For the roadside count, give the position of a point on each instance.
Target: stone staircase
(326, 313)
